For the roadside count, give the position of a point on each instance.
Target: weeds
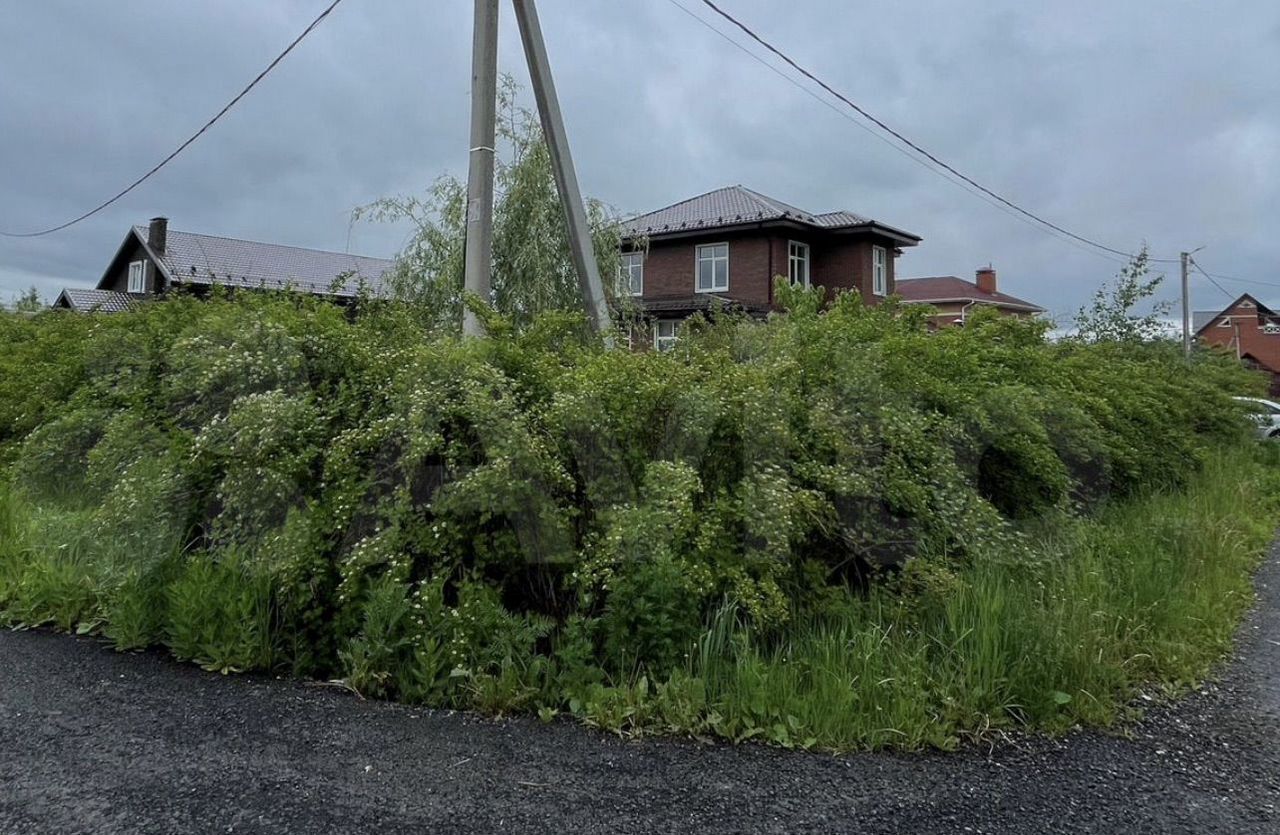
(830, 529)
(220, 613)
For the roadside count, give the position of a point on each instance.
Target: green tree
(1112, 316)
(532, 268)
(28, 302)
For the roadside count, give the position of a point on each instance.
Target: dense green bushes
(533, 521)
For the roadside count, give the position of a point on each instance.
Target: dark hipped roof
(949, 288)
(83, 300)
(737, 205)
(191, 258)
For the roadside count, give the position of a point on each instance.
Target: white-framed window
(712, 274)
(879, 271)
(1224, 323)
(798, 263)
(138, 277)
(1271, 328)
(665, 334)
(631, 271)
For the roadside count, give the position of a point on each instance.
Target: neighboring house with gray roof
(728, 245)
(83, 300)
(154, 259)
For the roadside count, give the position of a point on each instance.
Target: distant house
(154, 259)
(728, 245)
(1248, 329)
(956, 298)
(83, 300)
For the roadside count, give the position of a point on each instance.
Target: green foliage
(28, 302)
(532, 271)
(1112, 316)
(374, 659)
(831, 527)
(135, 610)
(53, 589)
(219, 613)
(652, 615)
(54, 457)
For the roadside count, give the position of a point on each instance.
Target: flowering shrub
(452, 521)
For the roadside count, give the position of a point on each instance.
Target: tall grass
(58, 568)
(1141, 598)
(1145, 597)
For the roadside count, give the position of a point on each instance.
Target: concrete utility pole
(484, 103)
(544, 90)
(1184, 258)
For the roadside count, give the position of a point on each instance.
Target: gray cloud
(1125, 122)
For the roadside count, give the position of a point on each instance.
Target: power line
(1221, 277)
(190, 140)
(915, 147)
(1240, 281)
(844, 114)
(1212, 280)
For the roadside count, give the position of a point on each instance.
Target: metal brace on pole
(544, 90)
(1184, 258)
(484, 104)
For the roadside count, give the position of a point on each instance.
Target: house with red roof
(955, 298)
(1249, 330)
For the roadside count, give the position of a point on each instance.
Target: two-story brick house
(1248, 329)
(728, 245)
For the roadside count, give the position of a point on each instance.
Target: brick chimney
(157, 235)
(987, 279)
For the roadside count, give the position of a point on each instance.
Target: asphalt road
(92, 741)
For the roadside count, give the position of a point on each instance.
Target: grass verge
(1144, 597)
(1147, 596)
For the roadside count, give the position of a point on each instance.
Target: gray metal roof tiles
(208, 259)
(84, 300)
(731, 206)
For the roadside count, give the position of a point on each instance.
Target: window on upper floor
(631, 272)
(665, 334)
(1224, 323)
(712, 268)
(798, 263)
(138, 277)
(879, 271)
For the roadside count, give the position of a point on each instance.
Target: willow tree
(1114, 314)
(533, 270)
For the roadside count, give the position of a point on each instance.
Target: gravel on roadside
(93, 741)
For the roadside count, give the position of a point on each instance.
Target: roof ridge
(690, 200)
(778, 205)
(138, 227)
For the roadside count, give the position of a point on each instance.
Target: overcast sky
(1121, 120)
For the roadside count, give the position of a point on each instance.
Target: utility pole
(1184, 259)
(484, 103)
(544, 90)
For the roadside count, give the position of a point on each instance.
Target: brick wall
(671, 266)
(846, 264)
(755, 258)
(1245, 326)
